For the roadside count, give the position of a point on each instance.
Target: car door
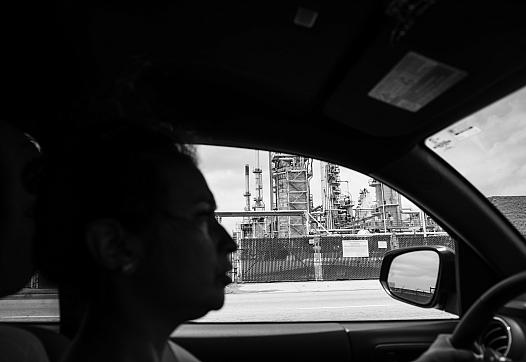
(300, 292)
(467, 214)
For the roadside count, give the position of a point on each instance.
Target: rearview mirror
(422, 276)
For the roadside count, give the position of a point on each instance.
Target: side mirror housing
(423, 276)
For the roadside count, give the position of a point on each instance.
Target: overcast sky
(224, 170)
(489, 147)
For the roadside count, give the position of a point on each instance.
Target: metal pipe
(317, 222)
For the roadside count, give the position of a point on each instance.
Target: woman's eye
(206, 220)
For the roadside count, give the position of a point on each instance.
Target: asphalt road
(265, 302)
(340, 301)
(37, 308)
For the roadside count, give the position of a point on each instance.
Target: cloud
(217, 158)
(415, 270)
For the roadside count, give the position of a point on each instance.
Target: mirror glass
(413, 276)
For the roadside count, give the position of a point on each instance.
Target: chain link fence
(322, 257)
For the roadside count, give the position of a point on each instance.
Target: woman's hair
(104, 172)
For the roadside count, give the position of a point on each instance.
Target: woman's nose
(226, 242)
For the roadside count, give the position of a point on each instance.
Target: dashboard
(505, 334)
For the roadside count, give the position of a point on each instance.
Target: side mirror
(422, 276)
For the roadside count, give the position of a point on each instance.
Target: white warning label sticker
(415, 81)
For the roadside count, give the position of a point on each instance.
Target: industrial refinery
(292, 211)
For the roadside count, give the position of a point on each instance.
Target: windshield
(489, 149)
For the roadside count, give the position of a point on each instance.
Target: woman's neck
(120, 331)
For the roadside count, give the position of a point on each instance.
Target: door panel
(360, 341)
(394, 341)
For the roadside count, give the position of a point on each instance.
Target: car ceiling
(245, 74)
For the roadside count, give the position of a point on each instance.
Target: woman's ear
(113, 247)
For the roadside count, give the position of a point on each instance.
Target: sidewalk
(297, 287)
(30, 293)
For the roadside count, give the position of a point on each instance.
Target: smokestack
(247, 188)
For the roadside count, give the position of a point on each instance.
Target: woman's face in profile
(190, 259)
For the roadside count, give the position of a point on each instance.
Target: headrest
(18, 164)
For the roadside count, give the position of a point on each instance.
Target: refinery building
(292, 212)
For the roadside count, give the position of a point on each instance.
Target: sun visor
(402, 85)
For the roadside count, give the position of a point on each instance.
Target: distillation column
(388, 205)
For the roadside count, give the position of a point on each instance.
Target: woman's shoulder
(181, 354)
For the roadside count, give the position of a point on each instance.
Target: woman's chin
(195, 315)
(219, 300)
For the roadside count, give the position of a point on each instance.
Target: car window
(488, 149)
(37, 302)
(318, 260)
(311, 245)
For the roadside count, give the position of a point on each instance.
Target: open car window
(311, 238)
(489, 149)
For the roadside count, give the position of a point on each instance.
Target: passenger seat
(18, 162)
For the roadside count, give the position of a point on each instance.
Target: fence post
(237, 261)
(394, 241)
(318, 270)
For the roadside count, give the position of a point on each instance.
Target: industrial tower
(366, 205)
(254, 227)
(388, 205)
(289, 178)
(259, 224)
(336, 206)
(247, 229)
(259, 205)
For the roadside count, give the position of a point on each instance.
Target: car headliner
(243, 74)
(250, 64)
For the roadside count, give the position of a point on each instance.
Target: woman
(126, 214)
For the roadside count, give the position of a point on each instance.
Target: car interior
(330, 81)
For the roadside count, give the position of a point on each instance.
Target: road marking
(350, 306)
